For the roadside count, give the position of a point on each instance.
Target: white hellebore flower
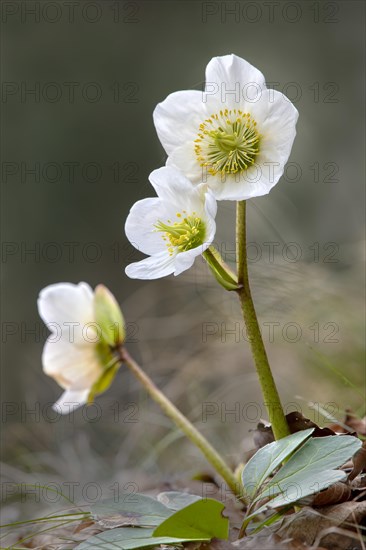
(236, 136)
(172, 228)
(85, 328)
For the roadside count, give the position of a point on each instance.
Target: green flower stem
(269, 390)
(183, 423)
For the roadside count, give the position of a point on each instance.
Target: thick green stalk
(269, 390)
(183, 423)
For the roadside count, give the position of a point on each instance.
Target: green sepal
(221, 271)
(108, 316)
(103, 382)
(223, 282)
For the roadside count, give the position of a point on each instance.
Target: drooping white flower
(236, 136)
(85, 327)
(172, 228)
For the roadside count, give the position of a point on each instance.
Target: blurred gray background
(97, 70)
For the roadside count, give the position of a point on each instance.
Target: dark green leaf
(306, 485)
(308, 468)
(202, 520)
(268, 458)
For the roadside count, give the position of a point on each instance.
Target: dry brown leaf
(355, 422)
(270, 542)
(335, 494)
(358, 484)
(83, 525)
(263, 435)
(297, 422)
(359, 462)
(309, 524)
(216, 544)
(352, 421)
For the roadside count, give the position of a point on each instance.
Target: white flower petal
(271, 168)
(256, 181)
(210, 233)
(185, 260)
(75, 367)
(178, 117)
(231, 83)
(153, 267)
(178, 199)
(70, 400)
(184, 158)
(259, 108)
(140, 225)
(177, 192)
(279, 127)
(278, 132)
(170, 184)
(210, 205)
(67, 308)
(217, 184)
(230, 80)
(277, 118)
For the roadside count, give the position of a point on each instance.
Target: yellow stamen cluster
(182, 235)
(228, 142)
